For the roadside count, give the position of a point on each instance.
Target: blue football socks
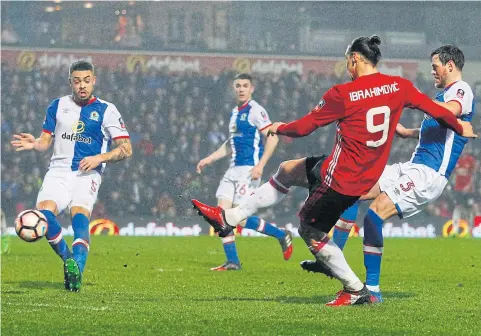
(54, 235)
(81, 243)
(259, 225)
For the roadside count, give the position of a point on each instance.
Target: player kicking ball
(248, 124)
(367, 111)
(404, 189)
(81, 127)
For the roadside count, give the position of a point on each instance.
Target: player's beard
(82, 101)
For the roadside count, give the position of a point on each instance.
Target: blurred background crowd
(176, 119)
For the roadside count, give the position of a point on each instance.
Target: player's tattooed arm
(121, 152)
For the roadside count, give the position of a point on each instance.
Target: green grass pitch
(163, 286)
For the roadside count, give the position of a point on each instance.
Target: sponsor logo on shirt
(78, 127)
(77, 138)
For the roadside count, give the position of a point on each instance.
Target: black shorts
(324, 205)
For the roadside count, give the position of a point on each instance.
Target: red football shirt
(465, 171)
(367, 111)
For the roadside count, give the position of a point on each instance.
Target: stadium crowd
(174, 121)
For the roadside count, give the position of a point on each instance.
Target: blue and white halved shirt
(440, 147)
(245, 126)
(81, 131)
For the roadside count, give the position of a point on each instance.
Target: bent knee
(79, 210)
(292, 172)
(383, 206)
(48, 205)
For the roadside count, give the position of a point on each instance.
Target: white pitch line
(170, 269)
(47, 305)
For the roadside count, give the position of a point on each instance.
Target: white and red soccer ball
(31, 225)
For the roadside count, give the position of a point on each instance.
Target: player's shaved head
(81, 65)
(448, 53)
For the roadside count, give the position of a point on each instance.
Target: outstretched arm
(454, 106)
(26, 141)
(329, 109)
(299, 128)
(418, 100)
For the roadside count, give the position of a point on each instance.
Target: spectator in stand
(164, 204)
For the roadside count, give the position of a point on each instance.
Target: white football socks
(268, 194)
(373, 288)
(343, 225)
(331, 256)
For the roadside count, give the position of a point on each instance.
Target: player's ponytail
(367, 47)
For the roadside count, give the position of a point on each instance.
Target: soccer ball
(31, 225)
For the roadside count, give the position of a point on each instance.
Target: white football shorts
(410, 186)
(70, 188)
(237, 184)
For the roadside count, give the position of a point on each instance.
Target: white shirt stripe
(448, 146)
(333, 163)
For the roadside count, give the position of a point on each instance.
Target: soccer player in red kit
(367, 111)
